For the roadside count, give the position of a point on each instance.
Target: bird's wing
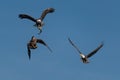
(29, 52)
(45, 12)
(25, 16)
(42, 42)
(95, 50)
(74, 45)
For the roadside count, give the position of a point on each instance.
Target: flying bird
(33, 45)
(38, 22)
(84, 58)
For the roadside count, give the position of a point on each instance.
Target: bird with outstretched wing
(85, 57)
(33, 45)
(38, 22)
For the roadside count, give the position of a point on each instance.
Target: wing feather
(45, 12)
(42, 42)
(25, 16)
(95, 50)
(74, 45)
(29, 51)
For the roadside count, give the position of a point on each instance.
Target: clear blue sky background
(86, 22)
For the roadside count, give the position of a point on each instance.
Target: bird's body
(85, 57)
(33, 45)
(38, 22)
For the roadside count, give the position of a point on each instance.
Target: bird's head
(32, 37)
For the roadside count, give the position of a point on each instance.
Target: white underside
(82, 55)
(39, 20)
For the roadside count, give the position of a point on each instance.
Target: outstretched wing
(25, 16)
(45, 12)
(74, 45)
(29, 52)
(94, 51)
(42, 42)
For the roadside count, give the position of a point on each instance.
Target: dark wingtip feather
(69, 39)
(20, 16)
(29, 57)
(29, 52)
(51, 9)
(102, 43)
(49, 49)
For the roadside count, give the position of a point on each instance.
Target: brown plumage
(33, 45)
(39, 22)
(85, 57)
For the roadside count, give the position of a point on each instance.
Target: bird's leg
(40, 28)
(40, 32)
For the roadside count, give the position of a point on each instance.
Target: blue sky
(86, 22)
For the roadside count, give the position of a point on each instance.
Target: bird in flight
(33, 45)
(84, 58)
(38, 22)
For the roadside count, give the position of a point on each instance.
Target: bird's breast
(39, 21)
(82, 55)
